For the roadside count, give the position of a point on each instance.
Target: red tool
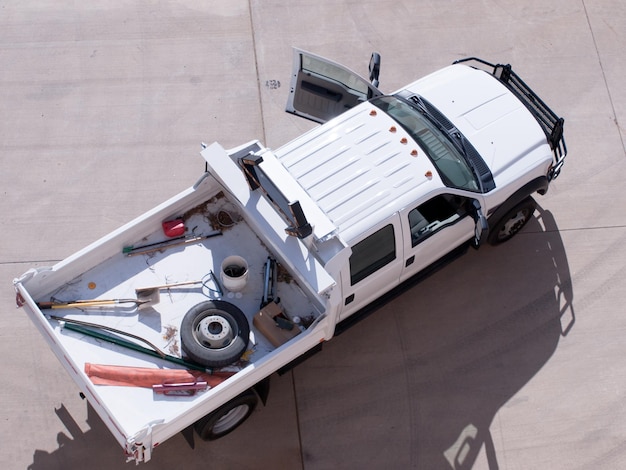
(185, 388)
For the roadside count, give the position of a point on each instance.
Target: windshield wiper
(447, 128)
(470, 161)
(470, 155)
(423, 108)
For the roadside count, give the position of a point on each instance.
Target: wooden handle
(76, 303)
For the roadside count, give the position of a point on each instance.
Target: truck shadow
(450, 353)
(97, 449)
(415, 385)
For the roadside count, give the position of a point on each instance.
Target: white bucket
(234, 273)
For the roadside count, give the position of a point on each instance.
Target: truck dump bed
(117, 265)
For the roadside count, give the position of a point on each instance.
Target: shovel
(141, 303)
(148, 292)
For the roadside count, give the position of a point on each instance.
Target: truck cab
(407, 178)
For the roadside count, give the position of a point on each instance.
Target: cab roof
(358, 168)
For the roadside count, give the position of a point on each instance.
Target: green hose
(133, 346)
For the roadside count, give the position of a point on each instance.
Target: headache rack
(551, 124)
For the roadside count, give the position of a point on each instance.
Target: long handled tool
(145, 302)
(149, 292)
(143, 290)
(158, 246)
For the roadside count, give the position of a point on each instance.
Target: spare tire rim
(214, 332)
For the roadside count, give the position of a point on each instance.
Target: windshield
(451, 165)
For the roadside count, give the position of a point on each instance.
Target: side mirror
(374, 68)
(481, 228)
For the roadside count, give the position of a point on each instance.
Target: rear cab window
(372, 253)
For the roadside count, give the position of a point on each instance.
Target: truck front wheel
(227, 417)
(512, 222)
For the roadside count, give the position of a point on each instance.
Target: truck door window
(372, 253)
(435, 214)
(312, 65)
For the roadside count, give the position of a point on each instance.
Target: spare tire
(214, 333)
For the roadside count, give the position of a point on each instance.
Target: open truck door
(322, 89)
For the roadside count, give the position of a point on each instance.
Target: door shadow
(424, 376)
(513, 304)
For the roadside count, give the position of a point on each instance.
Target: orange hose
(101, 374)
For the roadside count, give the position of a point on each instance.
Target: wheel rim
(214, 332)
(514, 224)
(231, 419)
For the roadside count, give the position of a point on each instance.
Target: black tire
(214, 333)
(227, 417)
(512, 222)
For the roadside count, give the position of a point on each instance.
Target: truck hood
(493, 119)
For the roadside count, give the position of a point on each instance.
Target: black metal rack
(551, 124)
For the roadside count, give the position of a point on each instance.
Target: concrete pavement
(509, 358)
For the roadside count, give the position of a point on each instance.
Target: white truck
(181, 316)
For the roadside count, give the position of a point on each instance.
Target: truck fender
(539, 185)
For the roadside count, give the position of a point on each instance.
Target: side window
(372, 253)
(435, 214)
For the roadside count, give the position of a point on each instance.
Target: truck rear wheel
(214, 333)
(512, 222)
(227, 417)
